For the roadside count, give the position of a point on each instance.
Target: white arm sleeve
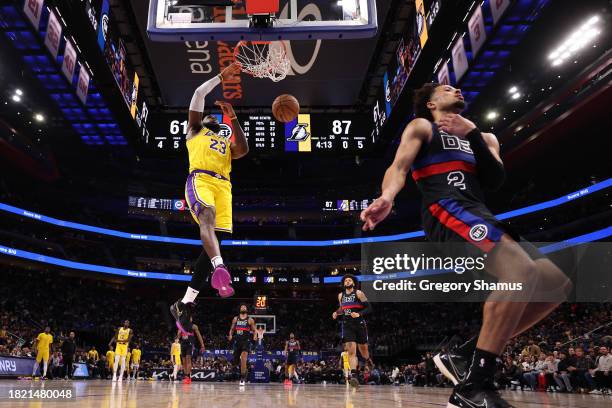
(197, 101)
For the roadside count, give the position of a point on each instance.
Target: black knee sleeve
(202, 269)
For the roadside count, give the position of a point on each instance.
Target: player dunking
(353, 306)
(452, 161)
(242, 331)
(292, 350)
(187, 347)
(122, 337)
(208, 191)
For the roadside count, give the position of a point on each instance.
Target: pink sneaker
(221, 280)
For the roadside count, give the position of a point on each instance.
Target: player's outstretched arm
(415, 133)
(196, 107)
(239, 146)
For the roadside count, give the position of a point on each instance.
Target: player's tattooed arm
(232, 327)
(199, 336)
(240, 145)
(367, 306)
(338, 311)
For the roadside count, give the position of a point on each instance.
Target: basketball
(285, 108)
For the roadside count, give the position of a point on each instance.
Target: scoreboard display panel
(328, 133)
(335, 133)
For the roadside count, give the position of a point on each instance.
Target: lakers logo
(299, 133)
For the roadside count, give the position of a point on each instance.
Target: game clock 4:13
(343, 132)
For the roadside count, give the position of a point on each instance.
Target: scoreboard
(327, 132)
(260, 131)
(336, 133)
(346, 205)
(153, 203)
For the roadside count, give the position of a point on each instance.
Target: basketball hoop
(263, 59)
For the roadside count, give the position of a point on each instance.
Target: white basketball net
(263, 59)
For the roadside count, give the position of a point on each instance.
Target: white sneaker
(596, 392)
(114, 378)
(242, 383)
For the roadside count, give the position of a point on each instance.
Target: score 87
(340, 127)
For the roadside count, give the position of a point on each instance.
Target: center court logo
(478, 232)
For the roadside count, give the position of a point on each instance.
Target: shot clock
(260, 303)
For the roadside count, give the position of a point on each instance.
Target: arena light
(18, 92)
(513, 90)
(39, 117)
(16, 98)
(516, 95)
(348, 6)
(492, 115)
(577, 40)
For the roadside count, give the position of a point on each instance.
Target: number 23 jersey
(211, 152)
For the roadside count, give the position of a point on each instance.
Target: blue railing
(343, 241)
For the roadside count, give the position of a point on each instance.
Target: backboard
(180, 20)
(267, 322)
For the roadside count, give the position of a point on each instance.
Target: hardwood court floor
(104, 394)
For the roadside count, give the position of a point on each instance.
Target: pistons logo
(226, 131)
(451, 142)
(478, 232)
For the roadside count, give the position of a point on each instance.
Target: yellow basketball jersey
(110, 357)
(176, 349)
(44, 340)
(136, 355)
(123, 335)
(209, 151)
(345, 359)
